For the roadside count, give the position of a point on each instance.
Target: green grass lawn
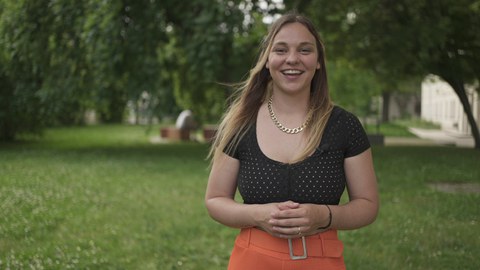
(104, 197)
(399, 127)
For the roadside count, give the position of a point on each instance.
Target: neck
(298, 104)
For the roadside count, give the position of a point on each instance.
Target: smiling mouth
(292, 72)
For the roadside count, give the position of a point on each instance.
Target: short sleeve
(237, 145)
(357, 139)
(231, 150)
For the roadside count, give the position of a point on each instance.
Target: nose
(292, 58)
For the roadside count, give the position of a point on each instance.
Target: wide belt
(325, 244)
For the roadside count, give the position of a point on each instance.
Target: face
(293, 59)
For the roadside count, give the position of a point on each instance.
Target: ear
(318, 65)
(266, 65)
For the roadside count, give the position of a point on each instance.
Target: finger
(287, 223)
(288, 205)
(288, 231)
(288, 213)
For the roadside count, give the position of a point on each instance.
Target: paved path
(408, 141)
(439, 137)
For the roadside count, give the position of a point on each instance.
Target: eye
(279, 50)
(306, 50)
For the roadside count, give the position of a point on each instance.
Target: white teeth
(292, 72)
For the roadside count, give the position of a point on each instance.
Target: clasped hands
(291, 220)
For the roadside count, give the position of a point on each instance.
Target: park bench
(174, 134)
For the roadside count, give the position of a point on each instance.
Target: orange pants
(257, 250)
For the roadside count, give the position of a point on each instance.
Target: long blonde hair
(251, 93)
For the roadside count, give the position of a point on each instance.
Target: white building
(441, 105)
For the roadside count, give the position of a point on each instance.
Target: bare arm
(219, 197)
(220, 203)
(362, 208)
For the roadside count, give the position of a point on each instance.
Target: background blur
(116, 61)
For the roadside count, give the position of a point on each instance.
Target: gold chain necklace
(283, 128)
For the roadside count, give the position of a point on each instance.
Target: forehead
(293, 33)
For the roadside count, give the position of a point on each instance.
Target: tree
(67, 86)
(60, 58)
(205, 38)
(123, 38)
(352, 88)
(22, 60)
(406, 39)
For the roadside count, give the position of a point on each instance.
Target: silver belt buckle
(301, 257)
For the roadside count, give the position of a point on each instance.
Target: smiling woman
(290, 153)
(293, 59)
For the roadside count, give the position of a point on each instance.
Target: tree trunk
(386, 107)
(459, 88)
(7, 133)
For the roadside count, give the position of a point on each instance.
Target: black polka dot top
(319, 179)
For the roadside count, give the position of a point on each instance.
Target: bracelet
(329, 219)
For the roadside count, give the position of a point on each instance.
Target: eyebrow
(283, 43)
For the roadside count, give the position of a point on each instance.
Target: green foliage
(43, 62)
(21, 71)
(123, 38)
(206, 40)
(66, 78)
(352, 88)
(61, 58)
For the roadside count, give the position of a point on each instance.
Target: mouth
(292, 72)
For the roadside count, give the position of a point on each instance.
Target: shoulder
(340, 111)
(345, 131)
(341, 117)
(347, 119)
(239, 142)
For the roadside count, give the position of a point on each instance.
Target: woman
(290, 179)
